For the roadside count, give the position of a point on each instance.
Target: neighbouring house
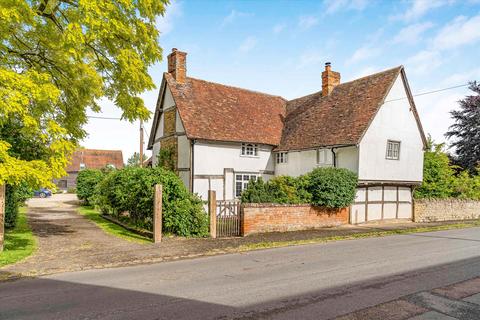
(89, 159)
(221, 136)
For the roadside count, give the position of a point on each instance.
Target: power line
(415, 95)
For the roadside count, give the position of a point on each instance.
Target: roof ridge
(108, 150)
(239, 88)
(373, 74)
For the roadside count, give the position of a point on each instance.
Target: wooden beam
(157, 214)
(212, 212)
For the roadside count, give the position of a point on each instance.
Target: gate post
(2, 216)
(212, 212)
(157, 214)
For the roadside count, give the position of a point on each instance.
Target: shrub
(282, 189)
(332, 187)
(87, 180)
(132, 190)
(15, 196)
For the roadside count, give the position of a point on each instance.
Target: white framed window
(282, 157)
(393, 150)
(82, 166)
(324, 157)
(249, 149)
(241, 182)
(110, 166)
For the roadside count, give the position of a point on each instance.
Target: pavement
(68, 241)
(431, 275)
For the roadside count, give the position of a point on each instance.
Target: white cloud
(278, 28)
(364, 53)
(248, 44)
(234, 15)
(421, 7)
(412, 33)
(363, 72)
(423, 61)
(332, 6)
(460, 31)
(461, 78)
(165, 23)
(306, 22)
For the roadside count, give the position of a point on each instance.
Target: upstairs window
(249, 149)
(82, 166)
(324, 157)
(393, 150)
(282, 157)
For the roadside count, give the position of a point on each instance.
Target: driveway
(416, 275)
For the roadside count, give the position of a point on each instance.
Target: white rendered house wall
(394, 121)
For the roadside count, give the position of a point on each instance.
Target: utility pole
(141, 144)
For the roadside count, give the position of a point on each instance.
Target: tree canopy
(57, 58)
(466, 130)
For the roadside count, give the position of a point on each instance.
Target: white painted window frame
(282, 157)
(249, 150)
(245, 179)
(393, 150)
(323, 158)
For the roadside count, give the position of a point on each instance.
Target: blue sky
(280, 47)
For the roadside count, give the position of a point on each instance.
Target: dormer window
(249, 149)
(282, 157)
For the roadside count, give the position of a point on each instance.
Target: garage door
(374, 203)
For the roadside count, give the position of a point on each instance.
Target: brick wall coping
(282, 205)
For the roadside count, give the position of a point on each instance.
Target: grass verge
(110, 227)
(369, 234)
(19, 241)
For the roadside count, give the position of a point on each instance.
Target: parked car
(42, 193)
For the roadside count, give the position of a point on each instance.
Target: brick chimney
(177, 65)
(329, 79)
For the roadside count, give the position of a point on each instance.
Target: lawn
(19, 241)
(110, 227)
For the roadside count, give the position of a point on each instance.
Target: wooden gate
(228, 218)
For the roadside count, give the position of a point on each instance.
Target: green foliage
(132, 190)
(282, 189)
(134, 160)
(327, 187)
(166, 159)
(332, 187)
(57, 59)
(87, 180)
(15, 196)
(442, 179)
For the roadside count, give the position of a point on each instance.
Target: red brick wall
(260, 218)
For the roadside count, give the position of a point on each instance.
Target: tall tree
(57, 58)
(134, 160)
(466, 130)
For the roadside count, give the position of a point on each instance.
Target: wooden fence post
(157, 214)
(2, 215)
(212, 212)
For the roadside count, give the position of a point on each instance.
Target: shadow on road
(146, 299)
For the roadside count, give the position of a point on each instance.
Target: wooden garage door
(381, 203)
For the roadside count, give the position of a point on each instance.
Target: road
(319, 281)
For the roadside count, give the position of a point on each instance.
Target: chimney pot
(177, 65)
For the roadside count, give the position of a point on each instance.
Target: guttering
(334, 157)
(336, 146)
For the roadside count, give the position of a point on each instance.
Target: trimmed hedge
(132, 190)
(87, 180)
(325, 187)
(15, 196)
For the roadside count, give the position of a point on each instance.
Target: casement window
(82, 166)
(393, 150)
(282, 157)
(324, 157)
(241, 182)
(249, 149)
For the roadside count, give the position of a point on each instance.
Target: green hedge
(15, 196)
(132, 190)
(325, 187)
(87, 180)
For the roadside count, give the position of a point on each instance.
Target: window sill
(247, 156)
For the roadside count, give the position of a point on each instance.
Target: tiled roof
(340, 118)
(214, 111)
(95, 159)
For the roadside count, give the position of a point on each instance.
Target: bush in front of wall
(87, 180)
(281, 189)
(332, 187)
(15, 196)
(131, 190)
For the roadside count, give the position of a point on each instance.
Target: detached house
(221, 137)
